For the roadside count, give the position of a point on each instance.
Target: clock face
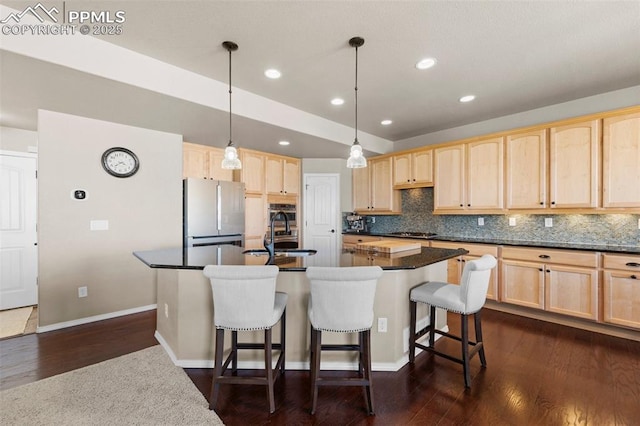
(120, 162)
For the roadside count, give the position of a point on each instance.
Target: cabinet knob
(408, 180)
(633, 264)
(461, 205)
(541, 203)
(548, 271)
(540, 269)
(633, 277)
(553, 202)
(544, 256)
(468, 205)
(414, 180)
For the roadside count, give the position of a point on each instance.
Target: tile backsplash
(417, 215)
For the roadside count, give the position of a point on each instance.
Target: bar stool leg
(269, 369)
(432, 326)
(234, 352)
(465, 349)
(283, 329)
(366, 337)
(317, 339)
(217, 369)
(478, 326)
(412, 331)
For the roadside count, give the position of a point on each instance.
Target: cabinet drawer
(447, 244)
(567, 257)
(352, 240)
(622, 262)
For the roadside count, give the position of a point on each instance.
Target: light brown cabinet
(372, 188)
(455, 266)
(621, 161)
(469, 176)
(413, 169)
(350, 241)
(560, 281)
(255, 220)
(574, 165)
(253, 171)
(621, 292)
(526, 169)
(282, 175)
(203, 162)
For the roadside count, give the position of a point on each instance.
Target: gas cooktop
(412, 234)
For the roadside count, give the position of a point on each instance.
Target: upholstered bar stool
(342, 301)
(466, 299)
(245, 298)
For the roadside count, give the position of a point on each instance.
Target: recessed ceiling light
(284, 143)
(425, 63)
(467, 98)
(386, 122)
(337, 101)
(273, 73)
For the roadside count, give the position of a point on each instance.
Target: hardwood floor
(538, 373)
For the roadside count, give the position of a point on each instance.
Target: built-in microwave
(288, 209)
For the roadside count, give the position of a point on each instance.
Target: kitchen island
(185, 305)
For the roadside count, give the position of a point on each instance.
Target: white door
(321, 217)
(18, 238)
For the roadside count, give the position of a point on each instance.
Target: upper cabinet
(252, 173)
(527, 170)
(621, 161)
(574, 165)
(413, 170)
(283, 175)
(469, 176)
(372, 188)
(204, 162)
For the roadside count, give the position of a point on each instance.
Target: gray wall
(144, 212)
(417, 208)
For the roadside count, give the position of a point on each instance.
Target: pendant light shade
(356, 159)
(231, 160)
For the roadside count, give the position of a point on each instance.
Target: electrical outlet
(83, 292)
(166, 310)
(481, 221)
(382, 325)
(638, 223)
(512, 221)
(548, 222)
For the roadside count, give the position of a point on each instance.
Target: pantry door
(321, 217)
(18, 238)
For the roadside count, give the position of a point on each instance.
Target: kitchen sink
(281, 252)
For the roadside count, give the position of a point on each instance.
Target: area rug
(13, 321)
(142, 388)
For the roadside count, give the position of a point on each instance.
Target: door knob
(333, 231)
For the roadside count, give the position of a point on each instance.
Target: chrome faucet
(270, 246)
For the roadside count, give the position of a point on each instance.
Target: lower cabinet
(456, 266)
(621, 295)
(560, 281)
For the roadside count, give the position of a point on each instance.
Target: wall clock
(120, 162)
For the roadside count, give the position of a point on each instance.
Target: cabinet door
(526, 170)
(422, 167)
(216, 155)
(485, 174)
(274, 176)
(574, 165)
(361, 190)
(402, 169)
(572, 291)
(382, 192)
(194, 161)
(621, 161)
(255, 218)
(252, 172)
(291, 179)
(622, 298)
(449, 178)
(523, 284)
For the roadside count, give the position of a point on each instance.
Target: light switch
(512, 221)
(99, 225)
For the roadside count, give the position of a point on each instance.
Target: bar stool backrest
(475, 282)
(243, 296)
(342, 298)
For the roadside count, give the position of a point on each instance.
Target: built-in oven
(282, 238)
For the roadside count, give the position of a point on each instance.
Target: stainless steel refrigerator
(213, 212)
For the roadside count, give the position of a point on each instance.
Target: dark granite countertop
(199, 257)
(610, 248)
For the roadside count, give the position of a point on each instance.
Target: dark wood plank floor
(538, 373)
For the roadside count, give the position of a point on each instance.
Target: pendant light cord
(356, 91)
(230, 140)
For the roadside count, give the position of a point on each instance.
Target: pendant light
(356, 159)
(231, 160)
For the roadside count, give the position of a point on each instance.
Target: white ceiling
(513, 55)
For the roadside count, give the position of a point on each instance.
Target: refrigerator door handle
(219, 218)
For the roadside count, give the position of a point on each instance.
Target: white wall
(144, 212)
(593, 104)
(19, 140)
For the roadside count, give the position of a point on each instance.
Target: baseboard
(94, 318)
(290, 365)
